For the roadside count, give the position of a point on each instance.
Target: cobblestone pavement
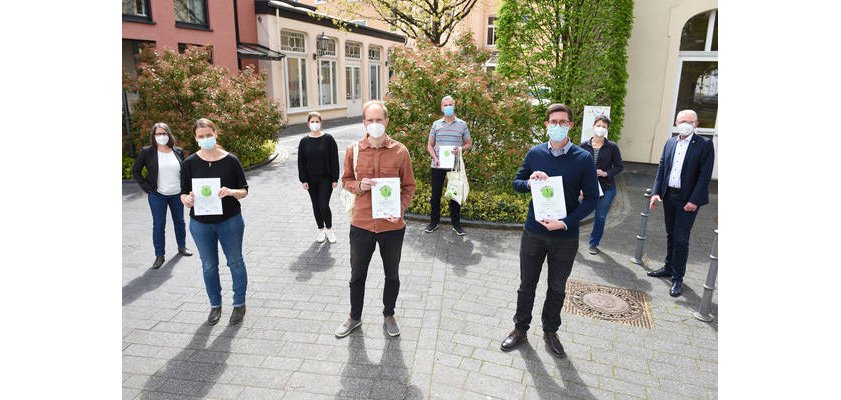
(457, 298)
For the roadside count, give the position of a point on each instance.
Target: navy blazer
(148, 158)
(695, 174)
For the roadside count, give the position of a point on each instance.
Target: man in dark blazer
(682, 184)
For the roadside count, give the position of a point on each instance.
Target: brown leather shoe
(554, 344)
(513, 340)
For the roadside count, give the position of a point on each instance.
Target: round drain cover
(605, 302)
(602, 302)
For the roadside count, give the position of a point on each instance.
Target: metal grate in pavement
(625, 306)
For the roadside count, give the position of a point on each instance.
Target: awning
(254, 50)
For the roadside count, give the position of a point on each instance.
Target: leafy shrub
(481, 205)
(258, 154)
(180, 88)
(128, 162)
(496, 110)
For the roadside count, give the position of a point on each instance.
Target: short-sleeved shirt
(452, 134)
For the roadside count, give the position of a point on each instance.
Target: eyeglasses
(561, 122)
(686, 122)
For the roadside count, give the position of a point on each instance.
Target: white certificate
(446, 158)
(601, 192)
(385, 198)
(206, 199)
(548, 198)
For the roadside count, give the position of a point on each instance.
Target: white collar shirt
(677, 161)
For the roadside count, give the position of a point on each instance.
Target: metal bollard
(641, 236)
(703, 313)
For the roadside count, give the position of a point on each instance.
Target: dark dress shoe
(185, 252)
(237, 315)
(677, 289)
(215, 314)
(513, 340)
(158, 262)
(554, 344)
(660, 273)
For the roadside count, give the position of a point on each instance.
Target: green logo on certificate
(547, 192)
(446, 153)
(205, 191)
(385, 191)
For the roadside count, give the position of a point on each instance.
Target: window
(327, 82)
(697, 86)
(326, 47)
(374, 53)
(292, 41)
(375, 81)
(491, 41)
(131, 51)
(191, 13)
(137, 10)
(296, 79)
(353, 50)
(353, 83)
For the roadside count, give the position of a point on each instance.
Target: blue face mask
(557, 132)
(207, 143)
(449, 111)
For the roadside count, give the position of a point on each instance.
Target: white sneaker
(331, 237)
(321, 236)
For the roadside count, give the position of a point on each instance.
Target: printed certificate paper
(548, 198)
(206, 199)
(446, 158)
(385, 198)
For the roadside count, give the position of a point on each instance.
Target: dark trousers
(560, 254)
(362, 243)
(320, 191)
(678, 226)
(438, 176)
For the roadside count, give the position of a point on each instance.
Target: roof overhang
(259, 52)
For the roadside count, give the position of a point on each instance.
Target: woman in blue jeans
(211, 226)
(162, 183)
(608, 164)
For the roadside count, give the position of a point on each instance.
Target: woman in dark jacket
(162, 183)
(608, 165)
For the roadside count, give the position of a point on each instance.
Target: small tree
(495, 109)
(179, 88)
(575, 47)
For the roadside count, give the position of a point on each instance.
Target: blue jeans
(602, 207)
(158, 204)
(229, 234)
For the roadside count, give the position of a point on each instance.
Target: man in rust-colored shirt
(379, 157)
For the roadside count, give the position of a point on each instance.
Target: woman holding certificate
(608, 164)
(318, 171)
(384, 184)
(212, 183)
(162, 183)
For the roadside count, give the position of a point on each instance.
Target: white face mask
(162, 139)
(375, 129)
(600, 131)
(315, 126)
(685, 129)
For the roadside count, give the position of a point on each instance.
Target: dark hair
(556, 107)
(314, 114)
(603, 118)
(168, 131)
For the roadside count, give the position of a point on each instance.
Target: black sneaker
(457, 229)
(432, 227)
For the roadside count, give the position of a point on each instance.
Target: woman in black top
(608, 165)
(318, 171)
(162, 160)
(226, 229)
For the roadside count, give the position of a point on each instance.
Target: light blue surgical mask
(449, 110)
(207, 143)
(557, 132)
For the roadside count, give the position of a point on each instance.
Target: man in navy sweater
(553, 240)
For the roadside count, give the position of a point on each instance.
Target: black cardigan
(148, 158)
(610, 161)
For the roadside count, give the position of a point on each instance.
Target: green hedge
(480, 206)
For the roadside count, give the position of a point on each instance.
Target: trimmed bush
(481, 205)
(179, 88)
